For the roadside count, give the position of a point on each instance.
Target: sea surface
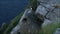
(10, 9)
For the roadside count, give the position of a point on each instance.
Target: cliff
(31, 21)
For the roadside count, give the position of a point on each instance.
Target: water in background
(10, 8)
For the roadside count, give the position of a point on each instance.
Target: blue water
(11, 8)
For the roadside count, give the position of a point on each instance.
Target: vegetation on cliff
(50, 28)
(15, 21)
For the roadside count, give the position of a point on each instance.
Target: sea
(10, 9)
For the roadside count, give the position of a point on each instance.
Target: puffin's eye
(25, 19)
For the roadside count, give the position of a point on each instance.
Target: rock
(51, 1)
(54, 13)
(15, 30)
(46, 21)
(29, 25)
(57, 31)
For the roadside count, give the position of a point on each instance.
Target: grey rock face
(15, 30)
(54, 13)
(27, 25)
(51, 1)
(57, 31)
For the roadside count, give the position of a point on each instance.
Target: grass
(50, 28)
(13, 22)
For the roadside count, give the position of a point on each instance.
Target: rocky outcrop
(28, 25)
(46, 8)
(57, 31)
(15, 30)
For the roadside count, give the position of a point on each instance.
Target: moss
(50, 28)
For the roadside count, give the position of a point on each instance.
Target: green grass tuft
(50, 28)
(13, 22)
